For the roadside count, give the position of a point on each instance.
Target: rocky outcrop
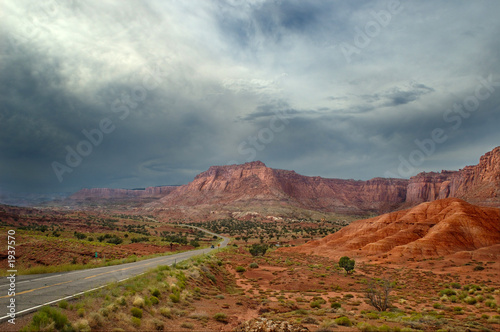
(254, 182)
(432, 229)
(107, 193)
(477, 184)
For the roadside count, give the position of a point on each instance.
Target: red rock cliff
(256, 182)
(478, 184)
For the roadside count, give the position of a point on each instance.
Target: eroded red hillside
(439, 228)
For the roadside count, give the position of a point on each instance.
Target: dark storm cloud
(187, 85)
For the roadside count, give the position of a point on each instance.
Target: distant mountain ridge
(108, 193)
(254, 183)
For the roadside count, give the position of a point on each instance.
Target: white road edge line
(63, 298)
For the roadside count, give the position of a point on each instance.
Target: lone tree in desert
(378, 294)
(347, 264)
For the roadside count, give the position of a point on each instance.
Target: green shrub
(455, 285)
(220, 317)
(258, 249)
(335, 305)
(365, 327)
(372, 315)
(478, 268)
(470, 300)
(166, 312)
(45, 317)
(491, 303)
(136, 321)
(158, 324)
(344, 321)
(240, 269)
(384, 328)
(63, 304)
(448, 292)
(254, 265)
(154, 300)
(175, 297)
(80, 312)
(155, 292)
(136, 312)
(211, 277)
(115, 240)
(315, 304)
(96, 320)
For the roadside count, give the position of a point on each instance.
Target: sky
(130, 94)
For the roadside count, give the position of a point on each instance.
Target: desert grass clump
(310, 320)
(316, 304)
(327, 325)
(437, 306)
(240, 269)
(201, 316)
(372, 315)
(136, 312)
(343, 321)
(365, 327)
(491, 303)
(220, 317)
(138, 302)
(175, 297)
(63, 304)
(121, 301)
(187, 325)
(335, 305)
(96, 320)
(82, 325)
(80, 312)
(158, 325)
(166, 312)
(254, 265)
(447, 292)
(155, 292)
(48, 319)
(470, 300)
(135, 321)
(154, 300)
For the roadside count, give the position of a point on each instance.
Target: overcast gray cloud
(131, 94)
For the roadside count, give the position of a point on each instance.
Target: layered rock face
(432, 229)
(257, 185)
(478, 184)
(254, 182)
(107, 193)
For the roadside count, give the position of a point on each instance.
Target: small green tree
(347, 264)
(258, 249)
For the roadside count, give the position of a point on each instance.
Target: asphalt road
(34, 291)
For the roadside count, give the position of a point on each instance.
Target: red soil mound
(434, 229)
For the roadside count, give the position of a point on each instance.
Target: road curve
(34, 291)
